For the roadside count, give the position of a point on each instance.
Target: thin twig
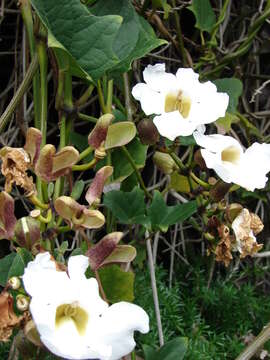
(154, 288)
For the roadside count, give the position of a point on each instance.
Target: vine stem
(137, 173)
(26, 12)
(84, 167)
(180, 35)
(154, 288)
(256, 344)
(43, 66)
(128, 102)
(177, 160)
(19, 93)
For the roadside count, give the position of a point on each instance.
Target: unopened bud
(27, 232)
(35, 213)
(219, 190)
(14, 282)
(199, 160)
(164, 162)
(212, 181)
(232, 211)
(22, 302)
(148, 132)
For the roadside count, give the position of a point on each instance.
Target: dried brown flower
(245, 226)
(223, 249)
(8, 319)
(15, 163)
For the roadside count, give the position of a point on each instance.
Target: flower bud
(219, 190)
(27, 232)
(233, 210)
(199, 160)
(22, 302)
(148, 132)
(164, 162)
(14, 282)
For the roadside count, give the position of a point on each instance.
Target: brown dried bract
(15, 163)
(8, 319)
(245, 226)
(256, 224)
(249, 246)
(223, 249)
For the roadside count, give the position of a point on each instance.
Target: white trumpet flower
(232, 164)
(181, 102)
(71, 318)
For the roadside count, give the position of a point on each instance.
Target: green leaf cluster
(204, 14)
(13, 265)
(104, 37)
(130, 208)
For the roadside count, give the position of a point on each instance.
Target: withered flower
(107, 251)
(15, 163)
(7, 217)
(96, 188)
(245, 226)
(223, 249)
(106, 135)
(32, 144)
(52, 164)
(98, 135)
(77, 214)
(8, 319)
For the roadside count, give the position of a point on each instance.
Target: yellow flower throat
(178, 102)
(72, 312)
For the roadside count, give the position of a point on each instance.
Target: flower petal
(118, 323)
(99, 133)
(215, 143)
(32, 144)
(188, 80)
(157, 79)
(95, 189)
(93, 219)
(172, 124)
(152, 102)
(42, 280)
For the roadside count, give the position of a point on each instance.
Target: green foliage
(108, 37)
(204, 14)
(135, 37)
(14, 264)
(233, 87)
(227, 121)
(174, 349)
(162, 216)
(87, 38)
(117, 284)
(121, 167)
(162, 4)
(77, 189)
(130, 208)
(214, 320)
